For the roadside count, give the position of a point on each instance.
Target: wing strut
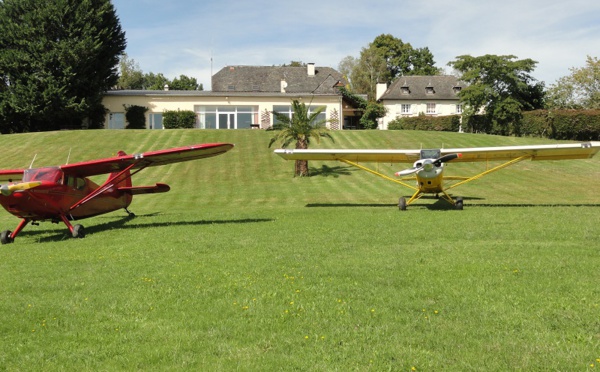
(121, 176)
(377, 174)
(501, 166)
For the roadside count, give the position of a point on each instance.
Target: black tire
(458, 204)
(78, 231)
(5, 237)
(402, 204)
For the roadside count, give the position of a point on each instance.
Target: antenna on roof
(69, 156)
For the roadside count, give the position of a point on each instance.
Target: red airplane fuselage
(57, 193)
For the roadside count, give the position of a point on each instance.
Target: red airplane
(64, 193)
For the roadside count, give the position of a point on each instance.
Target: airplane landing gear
(458, 204)
(5, 237)
(78, 231)
(402, 204)
(129, 213)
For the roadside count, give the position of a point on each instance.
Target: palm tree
(301, 127)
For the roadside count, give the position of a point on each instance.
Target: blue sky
(183, 36)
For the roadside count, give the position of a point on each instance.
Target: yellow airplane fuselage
(431, 182)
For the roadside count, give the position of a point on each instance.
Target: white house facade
(243, 97)
(415, 95)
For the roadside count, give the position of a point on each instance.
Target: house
(415, 95)
(242, 97)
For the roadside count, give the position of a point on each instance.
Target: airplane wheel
(459, 204)
(5, 237)
(402, 204)
(78, 231)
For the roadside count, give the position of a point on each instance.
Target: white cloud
(181, 37)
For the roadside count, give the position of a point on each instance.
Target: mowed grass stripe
(236, 268)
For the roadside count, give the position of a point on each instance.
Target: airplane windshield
(51, 174)
(430, 154)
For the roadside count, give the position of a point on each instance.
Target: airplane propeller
(7, 190)
(428, 165)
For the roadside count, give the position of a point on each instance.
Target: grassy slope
(243, 266)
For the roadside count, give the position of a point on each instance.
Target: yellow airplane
(428, 164)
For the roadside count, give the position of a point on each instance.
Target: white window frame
(234, 114)
(155, 120)
(431, 108)
(287, 109)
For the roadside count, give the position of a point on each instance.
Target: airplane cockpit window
(75, 182)
(430, 154)
(50, 174)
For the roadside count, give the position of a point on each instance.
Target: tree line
(131, 76)
(58, 58)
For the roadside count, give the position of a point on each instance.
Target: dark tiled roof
(199, 93)
(268, 79)
(442, 87)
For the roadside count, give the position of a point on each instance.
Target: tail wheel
(78, 231)
(5, 237)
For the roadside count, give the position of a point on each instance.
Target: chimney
(380, 88)
(283, 85)
(310, 69)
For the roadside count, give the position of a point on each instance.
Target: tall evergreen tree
(57, 58)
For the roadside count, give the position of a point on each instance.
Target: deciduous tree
(384, 60)
(581, 89)
(500, 87)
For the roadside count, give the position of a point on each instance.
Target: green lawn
(243, 267)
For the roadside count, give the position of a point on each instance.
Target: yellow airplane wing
(358, 156)
(469, 154)
(584, 150)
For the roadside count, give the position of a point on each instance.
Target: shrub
(135, 116)
(179, 119)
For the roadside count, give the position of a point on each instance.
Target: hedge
(423, 122)
(179, 119)
(571, 125)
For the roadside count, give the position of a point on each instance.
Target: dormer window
(457, 89)
(404, 89)
(429, 89)
(231, 87)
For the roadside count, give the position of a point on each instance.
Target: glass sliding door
(227, 120)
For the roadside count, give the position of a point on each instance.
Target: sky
(197, 38)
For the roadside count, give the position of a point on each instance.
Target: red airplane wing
(146, 159)
(11, 175)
